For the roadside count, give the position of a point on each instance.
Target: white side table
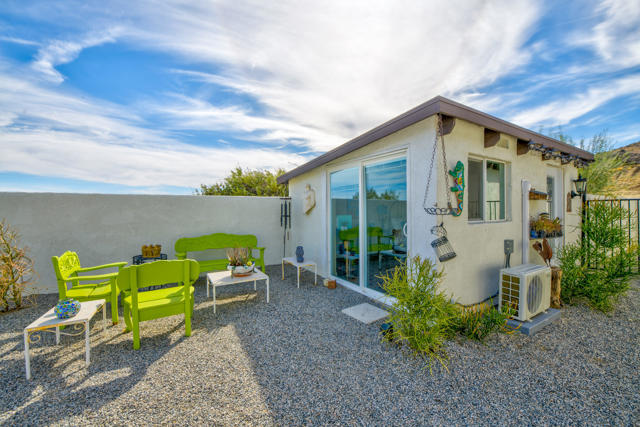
(224, 278)
(306, 263)
(49, 320)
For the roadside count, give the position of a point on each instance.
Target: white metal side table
(224, 278)
(49, 321)
(306, 263)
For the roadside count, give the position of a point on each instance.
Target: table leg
(282, 269)
(86, 341)
(214, 297)
(267, 289)
(57, 335)
(315, 275)
(298, 277)
(27, 358)
(255, 286)
(207, 286)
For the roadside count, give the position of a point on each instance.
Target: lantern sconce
(580, 185)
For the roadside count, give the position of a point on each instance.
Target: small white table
(224, 278)
(306, 263)
(49, 320)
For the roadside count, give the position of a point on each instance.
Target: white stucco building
(377, 181)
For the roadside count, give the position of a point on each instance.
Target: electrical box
(508, 246)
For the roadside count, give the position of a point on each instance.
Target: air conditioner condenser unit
(526, 288)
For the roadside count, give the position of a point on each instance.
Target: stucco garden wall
(108, 228)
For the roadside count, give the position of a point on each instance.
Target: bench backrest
(159, 273)
(215, 241)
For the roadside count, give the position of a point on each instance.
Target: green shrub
(480, 321)
(605, 241)
(422, 314)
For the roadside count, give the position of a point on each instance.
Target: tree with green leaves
(247, 183)
(602, 174)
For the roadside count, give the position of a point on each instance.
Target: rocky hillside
(629, 180)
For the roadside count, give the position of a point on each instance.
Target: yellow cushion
(158, 297)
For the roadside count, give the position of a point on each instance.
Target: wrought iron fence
(630, 223)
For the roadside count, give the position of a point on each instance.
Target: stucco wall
(472, 275)
(109, 228)
(311, 230)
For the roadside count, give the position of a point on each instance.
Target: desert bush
(16, 268)
(606, 241)
(422, 314)
(480, 321)
(424, 318)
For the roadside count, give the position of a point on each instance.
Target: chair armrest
(96, 277)
(181, 255)
(100, 267)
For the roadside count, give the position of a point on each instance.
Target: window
(550, 199)
(487, 190)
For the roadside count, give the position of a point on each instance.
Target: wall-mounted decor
(309, 199)
(458, 179)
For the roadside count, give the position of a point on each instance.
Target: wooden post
(556, 279)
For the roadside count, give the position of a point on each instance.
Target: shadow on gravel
(61, 386)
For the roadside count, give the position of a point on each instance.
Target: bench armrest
(100, 267)
(96, 277)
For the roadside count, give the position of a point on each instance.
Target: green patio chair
(149, 305)
(67, 266)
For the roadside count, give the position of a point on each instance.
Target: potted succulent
(239, 262)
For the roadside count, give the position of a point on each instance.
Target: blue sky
(159, 97)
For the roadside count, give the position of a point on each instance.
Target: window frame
(505, 192)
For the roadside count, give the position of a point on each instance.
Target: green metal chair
(67, 266)
(154, 304)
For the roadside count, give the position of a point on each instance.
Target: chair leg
(136, 336)
(127, 318)
(114, 308)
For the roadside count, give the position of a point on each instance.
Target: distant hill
(629, 180)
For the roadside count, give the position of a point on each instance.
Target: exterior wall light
(581, 187)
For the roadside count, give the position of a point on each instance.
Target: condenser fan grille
(534, 294)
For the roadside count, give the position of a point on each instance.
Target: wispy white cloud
(616, 38)
(565, 110)
(59, 52)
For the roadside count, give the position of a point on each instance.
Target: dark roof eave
(437, 105)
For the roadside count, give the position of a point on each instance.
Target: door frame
(361, 163)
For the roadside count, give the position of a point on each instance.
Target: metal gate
(630, 223)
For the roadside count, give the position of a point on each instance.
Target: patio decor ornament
(239, 263)
(457, 173)
(67, 308)
(441, 245)
(300, 254)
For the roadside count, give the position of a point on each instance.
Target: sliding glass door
(379, 207)
(386, 218)
(345, 217)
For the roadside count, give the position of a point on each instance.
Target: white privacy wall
(108, 228)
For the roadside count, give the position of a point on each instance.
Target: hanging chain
(444, 166)
(433, 157)
(436, 210)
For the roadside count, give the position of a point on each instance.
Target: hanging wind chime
(441, 244)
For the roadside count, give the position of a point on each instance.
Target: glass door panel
(345, 215)
(386, 219)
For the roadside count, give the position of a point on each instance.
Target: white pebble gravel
(299, 360)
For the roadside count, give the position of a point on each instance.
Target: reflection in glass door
(386, 218)
(345, 214)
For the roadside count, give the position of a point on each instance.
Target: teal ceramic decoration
(67, 308)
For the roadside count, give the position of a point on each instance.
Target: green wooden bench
(185, 245)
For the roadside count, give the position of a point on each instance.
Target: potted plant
(239, 262)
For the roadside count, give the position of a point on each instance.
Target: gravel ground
(299, 360)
